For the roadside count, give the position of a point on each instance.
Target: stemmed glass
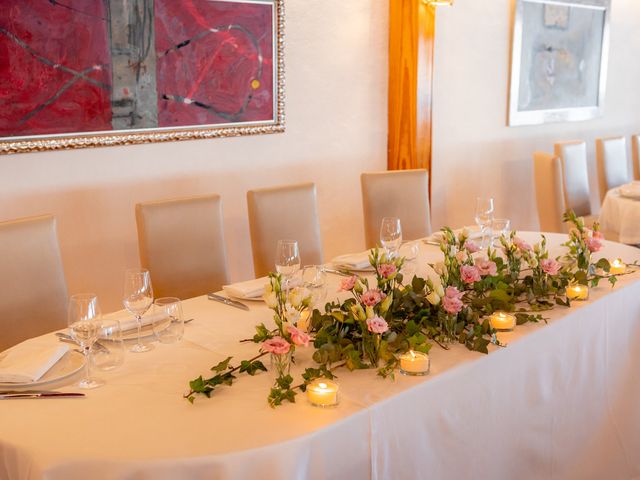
(391, 235)
(287, 260)
(484, 215)
(138, 297)
(83, 317)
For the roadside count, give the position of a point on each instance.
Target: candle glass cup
(578, 293)
(323, 393)
(415, 364)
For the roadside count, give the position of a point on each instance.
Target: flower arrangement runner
(388, 322)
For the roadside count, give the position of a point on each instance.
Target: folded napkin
(354, 261)
(28, 361)
(247, 289)
(474, 233)
(129, 322)
(631, 190)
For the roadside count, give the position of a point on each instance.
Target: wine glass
(391, 235)
(138, 297)
(287, 259)
(484, 215)
(168, 324)
(83, 316)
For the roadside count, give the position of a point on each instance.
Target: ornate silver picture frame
(558, 61)
(138, 71)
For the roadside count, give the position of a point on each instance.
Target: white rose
(295, 297)
(439, 268)
(270, 299)
(433, 298)
(291, 314)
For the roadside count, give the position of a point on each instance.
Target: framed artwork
(559, 61)
(84, 73)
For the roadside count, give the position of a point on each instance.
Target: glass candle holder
(415, 363)
(618, 267)
(502, 321)
(323, 393)
(577, 292)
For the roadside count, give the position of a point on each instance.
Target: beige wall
(336, 128)
(336, 69)
(475, 153)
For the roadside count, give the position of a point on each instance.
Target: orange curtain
(411, 36)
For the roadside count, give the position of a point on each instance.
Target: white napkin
(247, 289)
(355, 261)
(474, 233)
(128, 321)
(28, 361)
(630, 190)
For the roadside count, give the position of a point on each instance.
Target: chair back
(635, 147)
(33, 297)
(181, 243)
(400, 193)
(575, 176)
(549, 191)
(279, 213)
(613, 167)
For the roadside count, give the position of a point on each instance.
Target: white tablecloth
(561, 401)
(621, 216)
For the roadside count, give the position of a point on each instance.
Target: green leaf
(223, 365)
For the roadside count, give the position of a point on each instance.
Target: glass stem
(87, 363)
(139, 322)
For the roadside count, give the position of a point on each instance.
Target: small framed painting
(78, 73)
(559, 61)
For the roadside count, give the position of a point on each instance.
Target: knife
(227, 301)
(36, 394)
(342, 273)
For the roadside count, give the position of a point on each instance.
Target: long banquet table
(560, 401)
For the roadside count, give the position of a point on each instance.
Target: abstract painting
(76, 73)
(559, 56)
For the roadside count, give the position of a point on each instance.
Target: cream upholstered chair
(33, 297)
(399, 193)
(613, 166)
(279, 213)
(181, 243)
(562, 183)
(635, 147)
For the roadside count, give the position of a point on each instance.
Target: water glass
(499, 227)
(83, 316)
(391, 235)
(109, 352)
(314, 279)
(138, 297)
(168, 324)
(410, 252)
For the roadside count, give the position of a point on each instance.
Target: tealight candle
(414, 363)
(502, 321)
(323, 393)
(618, 267)
(577, 292)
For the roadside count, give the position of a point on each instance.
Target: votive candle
(502, 321)
(618, 267)
(323, 393)
(414, 363)
(577, 292)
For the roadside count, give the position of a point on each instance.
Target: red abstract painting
(84, 66)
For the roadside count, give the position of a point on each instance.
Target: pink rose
(486, 267)
(593, 244)
(385, 270)
(377, 325)
(372, 297)
(462, 256)
(469, 274)
(277, 345)
(298, 337)
(347, 283)
(452, 301)
(550, 266)
(521, 244)
(471, 246)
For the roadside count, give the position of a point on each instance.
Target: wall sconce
(438, 3)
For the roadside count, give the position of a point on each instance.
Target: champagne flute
(83, 316)
(391, 235)
(484, 215)
(287, 260)
(138, 297)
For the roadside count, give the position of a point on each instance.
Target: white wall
(336, 79)
(475, 153)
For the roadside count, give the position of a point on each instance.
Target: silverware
(227, 301)
(38, 394)
(342, 273)
(64, 337)
(188, 320)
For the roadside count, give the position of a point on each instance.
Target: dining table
(561, 400)
(620, 213)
